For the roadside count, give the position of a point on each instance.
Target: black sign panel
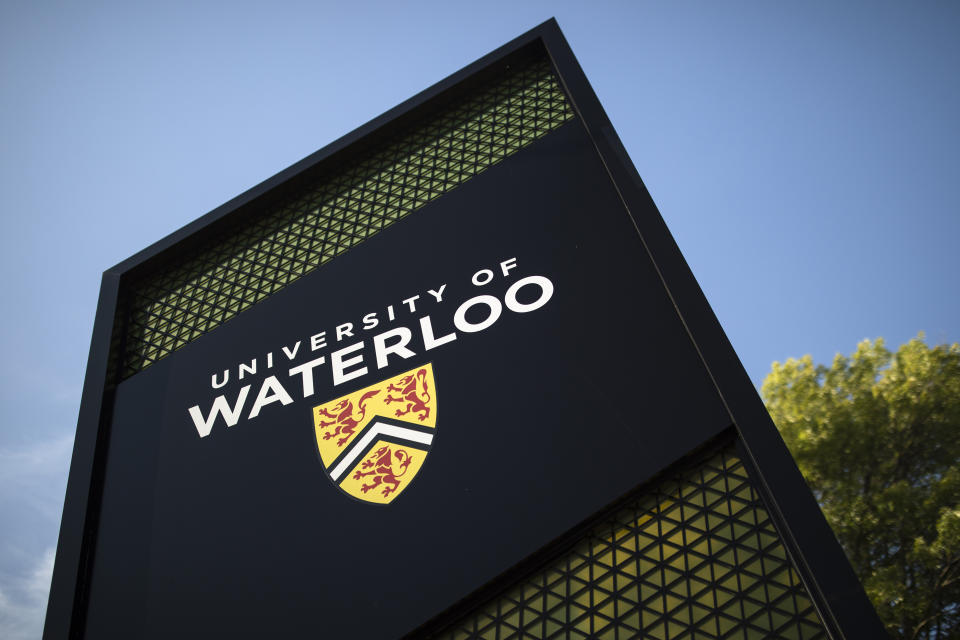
(544, 414)
(378, 444)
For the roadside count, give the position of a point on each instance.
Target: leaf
(877, 437)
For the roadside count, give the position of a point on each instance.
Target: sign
(372, 443)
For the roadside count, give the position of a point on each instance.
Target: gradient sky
(804, 155)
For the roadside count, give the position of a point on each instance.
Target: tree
(877, 437)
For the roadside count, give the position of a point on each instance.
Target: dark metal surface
(68, 588)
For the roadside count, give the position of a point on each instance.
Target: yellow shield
(372, 442)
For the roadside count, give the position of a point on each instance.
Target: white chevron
(378, 429)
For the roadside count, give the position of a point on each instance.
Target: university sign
(347, 363)
(377, 437)
(448, 377)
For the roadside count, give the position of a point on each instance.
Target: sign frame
(838, 596)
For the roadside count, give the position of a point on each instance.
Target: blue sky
(804, 155)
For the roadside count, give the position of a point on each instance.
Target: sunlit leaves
(877, 436)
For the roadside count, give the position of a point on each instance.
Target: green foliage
(877, 436)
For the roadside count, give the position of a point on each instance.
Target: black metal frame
(843, 606)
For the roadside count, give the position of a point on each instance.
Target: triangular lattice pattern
(425, 160)
(692, 558)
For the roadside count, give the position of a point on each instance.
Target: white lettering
(487, 277)
(306, 370)
(370, 321)
(270, 391)
(400, 348)
(226, 378)
(251, 369)
(525, 295)
(546, 292)
(220, 407)
(292, 354)
(437, 294)
(460, 317)
(345, 329)
(429, 342)
(340, 375)
(411, 302)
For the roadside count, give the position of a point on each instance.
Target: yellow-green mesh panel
(695, 557)
(326, 219)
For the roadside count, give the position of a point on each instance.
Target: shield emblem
(373, 442)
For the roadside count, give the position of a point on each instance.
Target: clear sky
(804, 155)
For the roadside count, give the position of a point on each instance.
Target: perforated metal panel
(425, 160)
(695, 556)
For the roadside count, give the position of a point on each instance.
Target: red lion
(382, 471)
(343, 417)
(415, 398)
